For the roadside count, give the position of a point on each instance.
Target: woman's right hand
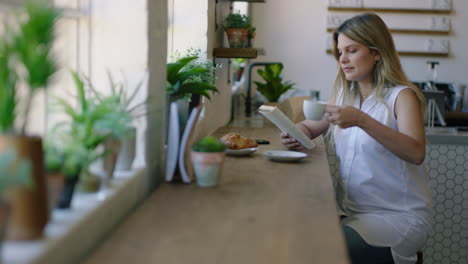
(290, 142)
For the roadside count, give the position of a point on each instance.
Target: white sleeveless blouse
(386, 199)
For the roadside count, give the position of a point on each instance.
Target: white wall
(294, 32)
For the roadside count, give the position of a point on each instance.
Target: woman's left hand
(344, 116)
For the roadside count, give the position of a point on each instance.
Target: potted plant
(207, 76)
(92, 122)
(185, 79)
(26, 60)
(237, 26)
(274, 86)
(207, 159)
(127, 139)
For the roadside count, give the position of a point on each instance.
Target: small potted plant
(237, 27)
(274, 86)
(91, 123)
(27, 65)
(207, 159)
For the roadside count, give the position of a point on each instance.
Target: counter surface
(262, 212)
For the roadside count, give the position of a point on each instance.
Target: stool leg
(420, 257)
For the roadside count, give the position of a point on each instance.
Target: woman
(375, 117)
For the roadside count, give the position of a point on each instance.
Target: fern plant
(274, 86)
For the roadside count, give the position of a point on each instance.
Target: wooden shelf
(412, 31)
(249, 1)
(415, 53)
(393, 10)
(248, 53)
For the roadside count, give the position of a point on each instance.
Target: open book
(285, 124)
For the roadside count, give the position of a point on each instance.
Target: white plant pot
(127, 153)
(207, 167)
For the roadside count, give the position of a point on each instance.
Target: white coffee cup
(313, 110)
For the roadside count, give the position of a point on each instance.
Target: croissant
(236, 141)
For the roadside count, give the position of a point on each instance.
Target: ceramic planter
(29, 213)
(66, 195)
(207, 167)
(127, 152)
(237, 37)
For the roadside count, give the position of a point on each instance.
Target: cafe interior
(264, 205)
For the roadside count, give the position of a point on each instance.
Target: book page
(285, 124)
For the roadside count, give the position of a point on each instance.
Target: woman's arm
(408, 143)
(311, 128)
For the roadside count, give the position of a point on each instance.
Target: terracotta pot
(66, 195)
(29, 213)
(237, 37)
(207, 167)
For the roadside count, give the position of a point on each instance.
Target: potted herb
(207, 159)
(91, 123)
(237, 26)
(274, 86)
(26, 60)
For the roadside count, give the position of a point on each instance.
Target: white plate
(240, 152)
(284, 155)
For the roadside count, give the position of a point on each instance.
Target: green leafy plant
(208, 76)
(14, 172)
(92, 122)
(237, 20)
(209, 144)
(182, 82)
(26, 58)
(274, 86)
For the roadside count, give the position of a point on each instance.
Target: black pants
(362, 253)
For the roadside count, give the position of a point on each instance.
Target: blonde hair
(369, 29)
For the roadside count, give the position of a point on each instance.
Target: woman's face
(356, 60)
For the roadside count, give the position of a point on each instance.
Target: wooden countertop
(262, 212)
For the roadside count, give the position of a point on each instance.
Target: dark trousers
(362, 253)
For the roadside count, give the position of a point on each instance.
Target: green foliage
(93, 121)
(274, 86)
(206, 77)
(182, 82)
(26, 57)
(237, 20)
(209, 144)
(14, 172)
